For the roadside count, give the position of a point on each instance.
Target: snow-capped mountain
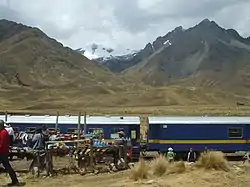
(101, 53)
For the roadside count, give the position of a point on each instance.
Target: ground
(237, 176)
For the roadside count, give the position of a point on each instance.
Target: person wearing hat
(170, 154)
(121, 139)
(121, 142)
(4, 153)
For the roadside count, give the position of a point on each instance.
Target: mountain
(205, 54)
(118, 63)
(106, 56)
(31, 59)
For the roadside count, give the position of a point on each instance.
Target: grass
(157, 167)
(142, 101)
(213, 160)
(140, 171)
(195, 110)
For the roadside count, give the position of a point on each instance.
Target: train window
(114, 132)
(72, 131)
(96, 130)
(30, 129)
(133, 134)
(235, 132)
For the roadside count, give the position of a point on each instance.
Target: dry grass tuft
(140, 171)
(159, 165)
(213, 160)
(177, 167)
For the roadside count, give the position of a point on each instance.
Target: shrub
(213, 160)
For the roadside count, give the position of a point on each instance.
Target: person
(38, 142)
(206, 150)
(246, 158)
(4, 153)
(170, 154)
(121, 138)
(11, 133)
(120, 155)
(191, 156)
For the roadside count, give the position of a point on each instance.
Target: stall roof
(199, 120)
(74, 119)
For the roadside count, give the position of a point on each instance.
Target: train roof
(112, 120)
(199, 120)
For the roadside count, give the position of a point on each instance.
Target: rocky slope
(205, 54)
(29, 58)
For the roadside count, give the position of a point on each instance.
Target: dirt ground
(239, 175)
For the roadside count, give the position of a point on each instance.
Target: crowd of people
(7, 138)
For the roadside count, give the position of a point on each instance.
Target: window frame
(132, 134)
(230, 128)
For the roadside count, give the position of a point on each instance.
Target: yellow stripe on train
(112, 140)
(199, 141)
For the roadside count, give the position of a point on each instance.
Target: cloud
(122, 24)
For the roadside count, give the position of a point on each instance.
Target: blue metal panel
(196, 132)
(192, 132)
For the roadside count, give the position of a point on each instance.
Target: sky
(122, 24)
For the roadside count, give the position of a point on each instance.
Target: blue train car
(109, 126)
(227, 134)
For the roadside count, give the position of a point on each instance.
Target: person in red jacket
(4, 153)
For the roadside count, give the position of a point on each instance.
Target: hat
(170, 149)
(6, 124)
(121, 132)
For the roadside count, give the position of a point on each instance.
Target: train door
(134, 134)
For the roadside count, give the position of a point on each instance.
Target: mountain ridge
(121, 64)
(204, 47)
(29, 56)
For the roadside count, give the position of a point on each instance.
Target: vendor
(121, 139)
(38, 140)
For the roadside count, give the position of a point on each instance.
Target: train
(227, 134)
(109, 126)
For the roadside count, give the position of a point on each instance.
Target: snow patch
(95, 51)
(167, 42)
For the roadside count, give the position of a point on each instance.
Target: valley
(205, 66)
